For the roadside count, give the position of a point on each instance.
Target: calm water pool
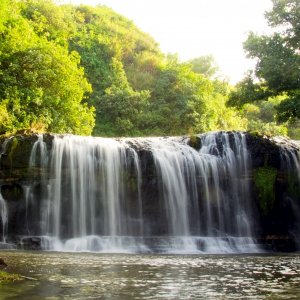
(125, 276)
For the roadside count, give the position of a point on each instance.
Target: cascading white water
(291, 160)
(3, 216)
(38, 159)
(3, 205)
(290, 163)
(232, 196)
(174, 163)
(171, 167)
(95, 172)
(233, 161)
(95, 200)
(223, 222)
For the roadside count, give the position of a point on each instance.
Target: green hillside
(88, 70)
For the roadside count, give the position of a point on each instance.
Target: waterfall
(290, 159)
(290, 166)
(3, 205)
(205, 193)
(88, 195)
(141, 195)
(223, 220)
(38, 160)
(175, 167)
(226, 187)
(3, 216)
(231, 197)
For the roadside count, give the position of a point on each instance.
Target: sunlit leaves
(204, 65)
(285, 16)
(41, 85)
(58, 62)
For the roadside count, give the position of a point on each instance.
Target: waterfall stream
(3, 215)
(95, 199)
(290, 159)
(3, 206)
(142, 194)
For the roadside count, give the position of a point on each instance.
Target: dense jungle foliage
(88, 70)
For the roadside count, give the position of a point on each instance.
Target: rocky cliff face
(273, 178)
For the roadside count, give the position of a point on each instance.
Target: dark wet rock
(31, 243)
(278, 243)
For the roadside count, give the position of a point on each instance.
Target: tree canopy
(88, 70)
(83, 70)
(42, 85)
(277, 71)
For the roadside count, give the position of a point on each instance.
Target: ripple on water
(125, 276)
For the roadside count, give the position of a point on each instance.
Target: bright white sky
(194, 28)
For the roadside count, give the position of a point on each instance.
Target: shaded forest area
(88, 70)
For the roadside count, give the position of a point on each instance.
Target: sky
(192, 28)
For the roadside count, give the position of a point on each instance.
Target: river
(61, 275)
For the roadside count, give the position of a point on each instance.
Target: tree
(278, 65)
(54, 22)
(286, 14)
(41, 84)
(44, 85)
(118, 60)
(183, 101)
(173, 90)
(289, 108)
(121, 112)
(204, 65)
(277, 70)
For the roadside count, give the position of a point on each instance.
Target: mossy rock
(194, 141)
(264, 180)
(13, 147)
(7, 277)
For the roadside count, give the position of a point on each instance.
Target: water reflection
(119, 276)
